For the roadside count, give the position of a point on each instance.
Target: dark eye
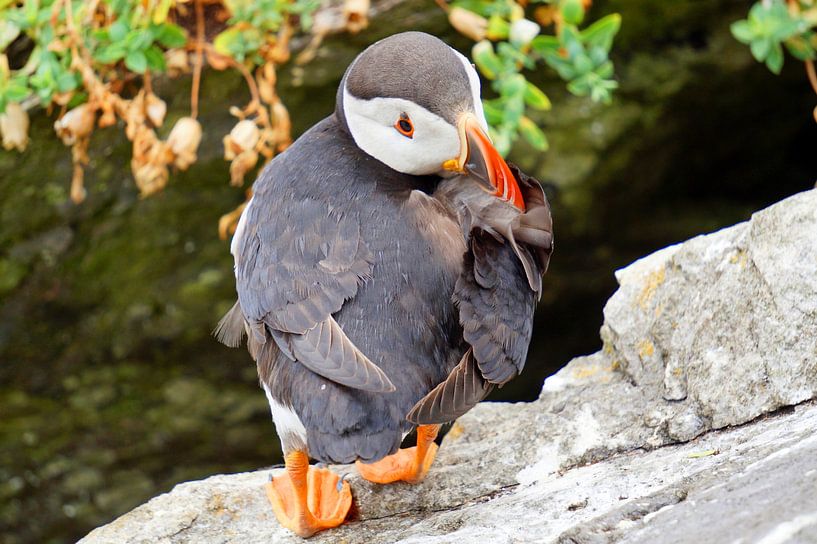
(404, 126)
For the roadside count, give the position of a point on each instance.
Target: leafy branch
(92, 63)
(509, 43)
(775, 26)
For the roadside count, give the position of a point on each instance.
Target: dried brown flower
(155, 108)
(243, 137)
(183, 141)
(242, 163)
(14, 127)
(76, 124)
(468, 23)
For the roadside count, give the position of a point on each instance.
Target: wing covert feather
(496, 307)
(296, 265)
(326, 350)
(496, 292)
(461, 391)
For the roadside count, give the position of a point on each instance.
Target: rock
(627, 444)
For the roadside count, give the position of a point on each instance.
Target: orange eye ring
(404, 126)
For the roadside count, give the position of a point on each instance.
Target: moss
(11, 274)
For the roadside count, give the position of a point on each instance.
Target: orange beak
(480, 160)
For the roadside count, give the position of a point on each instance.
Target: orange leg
(308, 499)
(409, 465)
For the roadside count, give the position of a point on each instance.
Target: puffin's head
(413, 103)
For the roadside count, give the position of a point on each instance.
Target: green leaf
(8, 33)
(121, 7)
(742, 31)
(226, 40)
(238, 43)
(535, 98)
(800, 48)
(118, 30)
(30, 10)
(502, 140)
(533, 134)
(571, 40)
(602, 32)
(598, 55)
(46, 35)
(760, 49)
(498, 28)
(16, 92)
(156, 59)
(109, 54)
(511, 55)
(774, 61)
(139, 39)
(583, 64)
(580, 86)
(485, 59)
(136, 61)
(161, 11)
(493, 114)
(605, 71)
(482, 7)
(601, 91)
(561, 65)
(171, 36)
(572, 11)
(78, 98)
(66, 81)
(545, 44)
(514, 86)
(514, 107)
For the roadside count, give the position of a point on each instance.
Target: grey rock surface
(680, 429)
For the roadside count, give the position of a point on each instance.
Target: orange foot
(409, 465)
(308, 499)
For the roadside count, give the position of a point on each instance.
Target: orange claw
(409, 465)
(308, 499)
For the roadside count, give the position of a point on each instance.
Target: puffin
(387, 269)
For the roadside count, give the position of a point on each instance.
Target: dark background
(111, 388)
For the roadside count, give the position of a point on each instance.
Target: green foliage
(135, 40)
(83, 50)
(773, 25)
(269, 15)
(253, 20)
(580, 57)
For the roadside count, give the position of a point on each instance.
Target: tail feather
(231, 329)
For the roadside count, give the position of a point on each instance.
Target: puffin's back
(333, 234)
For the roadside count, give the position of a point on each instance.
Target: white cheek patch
(473, 79)
(371, 123)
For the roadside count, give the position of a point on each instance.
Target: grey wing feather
(461, 391)
(296, 265)
(535, 226)
(496, 292)
(326, 350)
(496, 307)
